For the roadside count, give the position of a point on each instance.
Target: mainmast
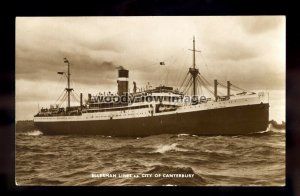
(193, 71)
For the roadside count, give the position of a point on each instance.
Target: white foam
(168, 147)
(170, 185)
(182, 134)
(272, 129)
(165, 148)
(34, 133)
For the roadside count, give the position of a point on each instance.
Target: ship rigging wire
(63, 99)
(205, 85)
(62, 93)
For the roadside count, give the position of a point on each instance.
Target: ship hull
(222, 121)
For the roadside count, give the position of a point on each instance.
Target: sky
(247, 50)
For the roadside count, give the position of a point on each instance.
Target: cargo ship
(159, 110)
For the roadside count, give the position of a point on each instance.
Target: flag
(162, 63)
(66, 60)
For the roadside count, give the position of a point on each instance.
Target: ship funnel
(216, 89)
(134, 87)
(228, 89)
(80, 101)
(122, 81)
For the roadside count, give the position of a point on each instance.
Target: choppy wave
(163, 169)
(270, 129)
(183, 134)
(168, 147)
(254, 159)
(33, 133)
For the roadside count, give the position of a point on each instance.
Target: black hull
(222, 121)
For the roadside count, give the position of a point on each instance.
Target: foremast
(68, 75)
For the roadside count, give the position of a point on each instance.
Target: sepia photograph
(150, 101)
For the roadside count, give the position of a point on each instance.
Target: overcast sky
(248, 51)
